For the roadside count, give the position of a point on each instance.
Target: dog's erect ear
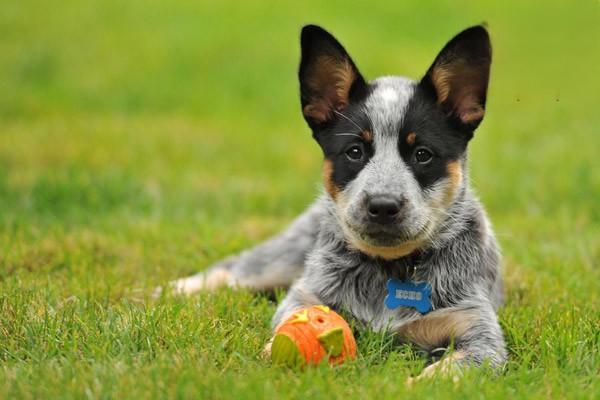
(458, 78)
(329, 80)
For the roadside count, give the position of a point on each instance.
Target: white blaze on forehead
(389, 95)
(387, 103)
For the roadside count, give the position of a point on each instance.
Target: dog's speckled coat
(329, 255)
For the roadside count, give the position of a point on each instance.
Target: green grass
(141, 141)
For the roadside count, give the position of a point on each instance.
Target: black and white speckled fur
(461, 267)
(320, 256)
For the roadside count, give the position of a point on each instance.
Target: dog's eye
(354, 153)
(423, 156)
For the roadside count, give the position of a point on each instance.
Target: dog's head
(394, 148)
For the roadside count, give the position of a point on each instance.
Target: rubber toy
(312, 335)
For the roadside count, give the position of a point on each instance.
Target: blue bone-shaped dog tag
(408, 294)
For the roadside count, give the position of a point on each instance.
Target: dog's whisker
(370, 120)
(347, 134)
(448, 217)
(348, 119)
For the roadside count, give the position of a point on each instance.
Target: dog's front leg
(472, 329)
(275, 263)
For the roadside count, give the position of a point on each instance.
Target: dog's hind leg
(273, 263)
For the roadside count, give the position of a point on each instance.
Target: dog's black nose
(383, 209)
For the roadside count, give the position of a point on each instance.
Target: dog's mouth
(386, 236)
(385, 243)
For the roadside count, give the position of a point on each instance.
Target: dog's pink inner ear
(329, 81)
(461, 88)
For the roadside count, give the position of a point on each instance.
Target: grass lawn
(141, 141)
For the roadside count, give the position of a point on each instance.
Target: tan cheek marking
(330, 186)
(410, 139)
(436, 329)
(367, 136)
(454, 169)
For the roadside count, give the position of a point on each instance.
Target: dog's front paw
(266, 351)
(177, 287)
(209, 280)
(448, 367)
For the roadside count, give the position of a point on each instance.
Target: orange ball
(312, 335)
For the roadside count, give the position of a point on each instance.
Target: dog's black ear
(458, 78)
(329, 80)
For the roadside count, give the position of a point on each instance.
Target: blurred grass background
(142, 140)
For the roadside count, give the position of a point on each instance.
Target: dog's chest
(361, 291)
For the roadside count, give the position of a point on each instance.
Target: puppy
(397, 208)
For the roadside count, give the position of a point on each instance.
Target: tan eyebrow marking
(330, 186)
(410, 139)
(367, 136)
